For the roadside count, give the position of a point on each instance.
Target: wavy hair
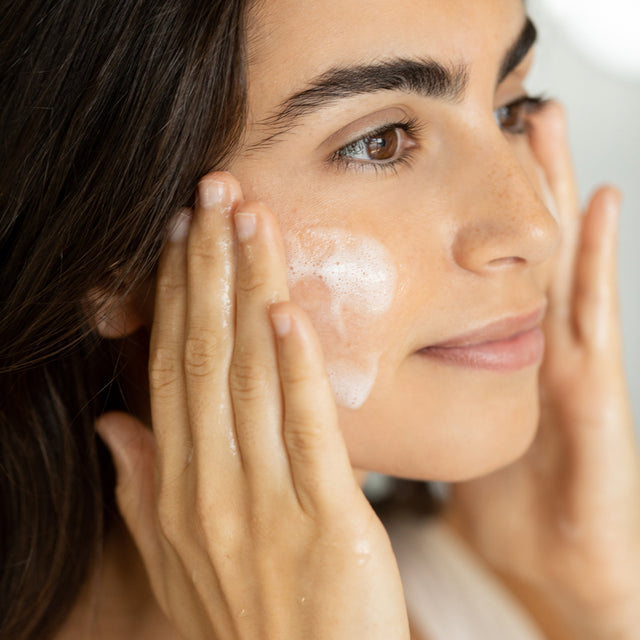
(111, 111)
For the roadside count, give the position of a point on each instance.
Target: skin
(245, 494)
(569, 537)
(485, 237)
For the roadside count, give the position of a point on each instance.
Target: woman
(360, 284)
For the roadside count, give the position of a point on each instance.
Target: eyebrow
(519, 49)
(423, 77)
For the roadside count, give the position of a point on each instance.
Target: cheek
(346, 282)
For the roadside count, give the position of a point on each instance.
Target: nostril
(506, 262)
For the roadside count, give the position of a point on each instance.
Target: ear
(117, 316)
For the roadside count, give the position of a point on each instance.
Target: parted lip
(498, 331)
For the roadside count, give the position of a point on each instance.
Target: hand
(242, 501)
(562, 524)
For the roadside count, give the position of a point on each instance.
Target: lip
(509, 344)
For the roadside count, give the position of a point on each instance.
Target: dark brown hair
(110, 112)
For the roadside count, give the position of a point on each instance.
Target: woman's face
(412, 210)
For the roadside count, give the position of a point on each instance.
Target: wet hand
(241, 499)
(562, 525)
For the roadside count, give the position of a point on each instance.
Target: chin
(478, 462)
(461, 441)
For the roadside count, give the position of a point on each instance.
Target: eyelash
(520, 108)
(411, 129)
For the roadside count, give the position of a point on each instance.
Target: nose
(503, 224)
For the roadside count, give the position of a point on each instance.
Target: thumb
(132, 447)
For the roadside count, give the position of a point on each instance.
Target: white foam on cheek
(360, 279)
(356, 269)
(351, 385)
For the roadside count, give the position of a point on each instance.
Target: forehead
(293, 41)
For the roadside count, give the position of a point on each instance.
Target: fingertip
(296, 337)
(125, 437)
(281, 323)
(132, 447)
(286, 318)
(230, 181)
(179, 226)
(218, 189)
(612, 199)
(596, 309)
(261, 258)
(605, 205)
(258, 209)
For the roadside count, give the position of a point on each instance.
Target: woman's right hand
(242, 501)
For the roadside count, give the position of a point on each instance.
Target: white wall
(604, 117)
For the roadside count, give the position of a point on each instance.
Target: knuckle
(222, 529)
(204, 254)
(250, 282)
(247, 380)
(164, 371)
(302, 437)
(168, 286)
(200, 354)
(296, 376)
(204, 513)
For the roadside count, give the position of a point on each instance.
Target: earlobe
(114, 317)
(117, 322)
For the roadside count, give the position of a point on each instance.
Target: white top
(449, 594)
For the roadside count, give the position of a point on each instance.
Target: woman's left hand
(561, 526)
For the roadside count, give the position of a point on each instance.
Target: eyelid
(523, 99)
(529, 103)
(405, 154)
(410, 128)
(363, 127)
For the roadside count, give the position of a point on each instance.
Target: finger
(317, 454)
(166, 380)
(595, 298)
(254, 380)
(210, 329)
(549, 142)
(132, 448)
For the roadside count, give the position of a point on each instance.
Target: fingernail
(179, 226)
(212, 193)
(245, 225)
(613, 205)
(281, 324)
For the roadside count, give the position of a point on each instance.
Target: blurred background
(589, 58)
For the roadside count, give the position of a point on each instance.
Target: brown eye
(512, 118)
(383, 146)
(380, 147)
